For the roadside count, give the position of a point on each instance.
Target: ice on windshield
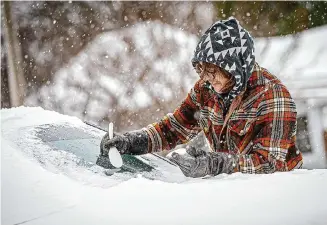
(51, 132)
(71, 139)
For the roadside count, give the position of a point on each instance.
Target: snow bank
(32, 193)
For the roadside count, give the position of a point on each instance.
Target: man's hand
(135, 143)
(119, 141)
(198, 163)
(193, 163)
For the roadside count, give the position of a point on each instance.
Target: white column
(316, 159)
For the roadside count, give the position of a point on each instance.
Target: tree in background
(15, 81)
(270, 18)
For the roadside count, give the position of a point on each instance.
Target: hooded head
(228, 45)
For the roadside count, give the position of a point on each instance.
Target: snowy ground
(35, 195)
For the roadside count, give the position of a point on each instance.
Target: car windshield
(84, 143)
(73, 147)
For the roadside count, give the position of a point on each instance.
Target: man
(246, 113)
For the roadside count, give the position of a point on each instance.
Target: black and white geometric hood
(228, 45)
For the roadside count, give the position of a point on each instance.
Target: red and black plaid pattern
(260, 130)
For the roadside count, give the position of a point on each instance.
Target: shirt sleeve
(178, 127)
(277, 121)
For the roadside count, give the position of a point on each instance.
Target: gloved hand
(133, 143)
(198, 163)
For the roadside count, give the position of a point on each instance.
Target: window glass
(302, 137)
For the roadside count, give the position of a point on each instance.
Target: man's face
(217, 77)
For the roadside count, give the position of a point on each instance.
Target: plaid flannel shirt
(259, 128)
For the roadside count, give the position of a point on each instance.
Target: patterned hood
(228, 45)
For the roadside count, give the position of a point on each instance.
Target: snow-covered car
(49, 176)
(63, 143)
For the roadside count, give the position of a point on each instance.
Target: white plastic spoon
(114, 155)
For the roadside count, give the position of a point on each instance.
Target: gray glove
(132, 143)
(198, 163)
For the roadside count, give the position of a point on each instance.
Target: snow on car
(49, 176)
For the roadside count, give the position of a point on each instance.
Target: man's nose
(207, 79)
